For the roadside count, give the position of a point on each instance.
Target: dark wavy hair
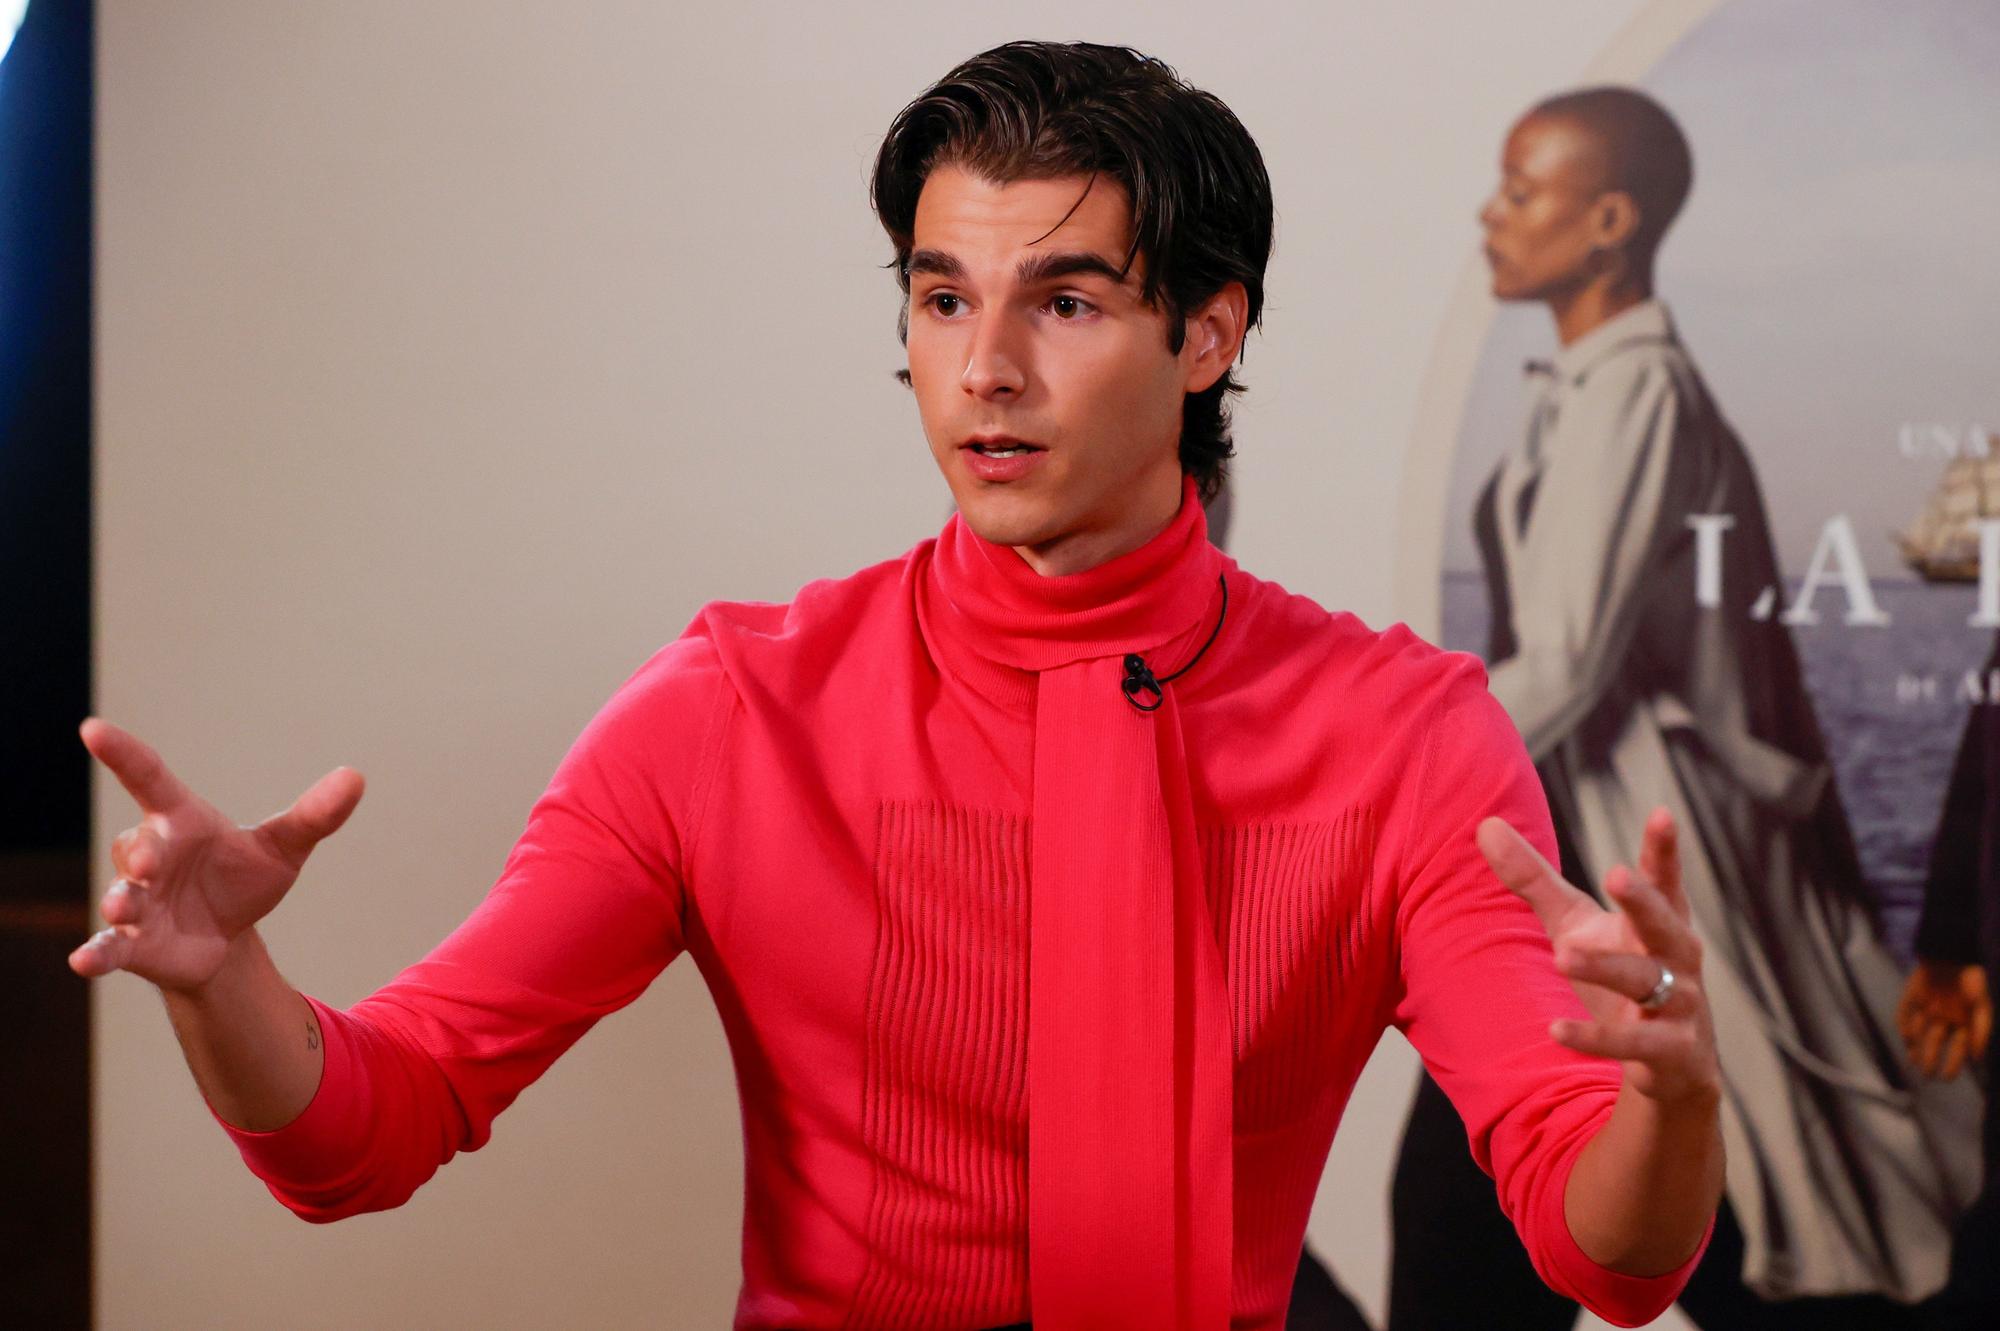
(1201, 199)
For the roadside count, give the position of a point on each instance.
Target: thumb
(315, 815)
(1521, 867)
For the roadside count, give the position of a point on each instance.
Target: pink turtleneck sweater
(828, 805)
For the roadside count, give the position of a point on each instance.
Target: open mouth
(1003, 448)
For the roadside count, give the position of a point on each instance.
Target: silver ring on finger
(1662, 991)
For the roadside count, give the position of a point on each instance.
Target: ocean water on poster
(1892, 702)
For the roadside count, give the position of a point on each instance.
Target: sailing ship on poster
(1943, 544)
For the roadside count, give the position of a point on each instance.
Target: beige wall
(451, 354)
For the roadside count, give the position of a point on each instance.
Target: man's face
(1547, 215)
(1021, 330)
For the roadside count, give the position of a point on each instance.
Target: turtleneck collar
(991, 601)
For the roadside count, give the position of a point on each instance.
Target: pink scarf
(1129, 1062)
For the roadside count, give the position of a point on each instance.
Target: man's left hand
(1616, 959)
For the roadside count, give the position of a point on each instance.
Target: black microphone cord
(1139, 679)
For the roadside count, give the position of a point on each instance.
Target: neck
(1596, 302)
(1156, 501)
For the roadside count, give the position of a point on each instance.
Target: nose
(994, 364)
(1489, 212)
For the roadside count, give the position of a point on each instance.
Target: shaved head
(1636, 149)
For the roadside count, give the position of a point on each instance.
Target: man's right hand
(190, 880)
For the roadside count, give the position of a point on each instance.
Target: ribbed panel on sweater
(944, 1104)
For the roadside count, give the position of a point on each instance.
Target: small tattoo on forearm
(312, 1034)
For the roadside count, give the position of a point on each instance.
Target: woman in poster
(1641, 674)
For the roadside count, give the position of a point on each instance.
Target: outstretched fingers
(139, 769)
(1661, 928)
(1644, 1042)
(1660, 858)
(1624, 973)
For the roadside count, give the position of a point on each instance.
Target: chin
(1009, 519)
(1008, 528)
(1505, 281)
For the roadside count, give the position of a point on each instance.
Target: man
(1946, 1015)
(1054, 880)
(1629, 690)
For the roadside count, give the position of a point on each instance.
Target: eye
(1057, 302)
(935, 303)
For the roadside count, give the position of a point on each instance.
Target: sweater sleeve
(1479, 989)
(585, 913)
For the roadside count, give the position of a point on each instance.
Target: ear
(1214, 336)
(1614, 220)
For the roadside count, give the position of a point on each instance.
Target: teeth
(991, 452)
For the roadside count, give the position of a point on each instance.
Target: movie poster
(1724, 521)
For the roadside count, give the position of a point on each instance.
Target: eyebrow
(1028, 272)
